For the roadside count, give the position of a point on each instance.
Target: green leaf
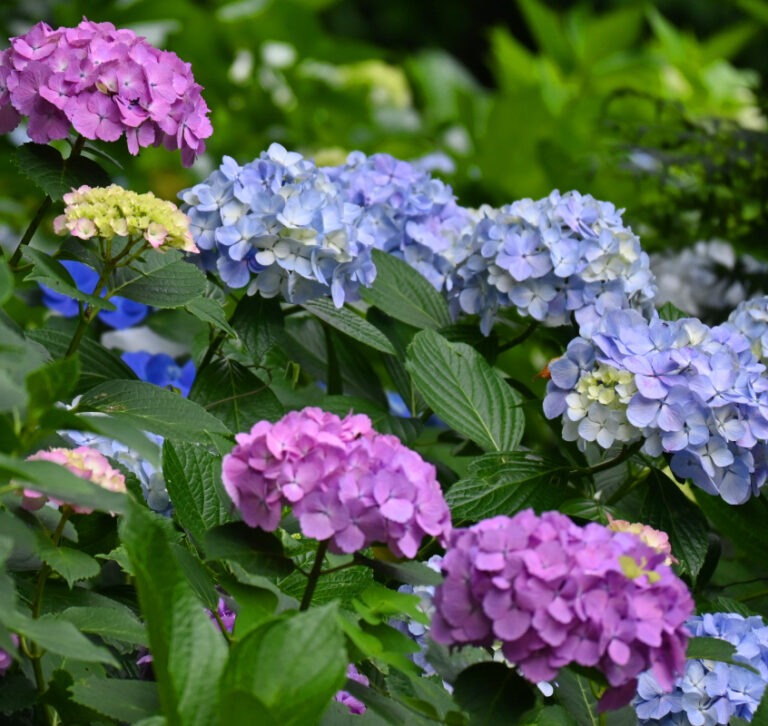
(121, 699)
(134, 438)
(210, 311)
(575, 693)
(233, 394)
(59, 636)
(466, 392)
(97, 364)
(54, 175)
(492, 693)
(154, 409)
(714, 649)
(340, 587)
(192, 474)
(259, 552)
(547, 28)
(163, 280)
(53, 382)
(349, 323)
(188, 653)
(55, 481)
(73, 565)
(379, 604)
(404, 294)
(116, 623)
(309, 648)
(6, 282)
(259, 324)
(669, 312)
(666, 508)
(53, 274)
(517, 482)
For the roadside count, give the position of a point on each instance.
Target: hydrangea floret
(83, 461)
(6, 658)
(355, 705)
(693, 393)
(554, 594)
(711, 692)
(279, 225)
(750, 318)
(561, 256)
(162, 370)
(105, 83)
(345, 482)
(109, 212)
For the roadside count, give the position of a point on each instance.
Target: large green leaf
(257, 551)
(505, 484)
(52, 383)
(55, 481)
(192, 474)
(117, 623)
(350, 323)
(73, 565)
(153, 409)
(404, 294)
(493, 693)
(236, 396)
(291, 666)
(666, 508)
(118, 698)
(163, 280)
(187, 650)
(54, 175)
(97, 363)
(466, 392)
(210, 311)
(259, 324)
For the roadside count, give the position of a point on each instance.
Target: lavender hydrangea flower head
(108, 212)
(554, 593)
(407, 213)
(83, 461)
(279, 225)
(711, 692)
(559, 256)
(345, 482)
(105, 83)
(355, 705)
(694, 393)
(127, 314)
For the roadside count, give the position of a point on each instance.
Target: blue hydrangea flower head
(711, 692)
(162, 370)
(279, 225)
(695, 394)
(128, 313)
(751, 319)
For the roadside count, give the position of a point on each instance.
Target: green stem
(519, 338)
(626, 453)
(314, 575)
(333, 374)
(88, 314)
(42, 210)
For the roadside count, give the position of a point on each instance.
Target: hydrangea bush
(318, 444)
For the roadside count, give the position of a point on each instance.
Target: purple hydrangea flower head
(693, 393)
(711, 692)
(162, 370)
(127, 314)
(751, 319)
(560, 257)
(407, 213)
(554, 593)
(105, 83)
(355, 705)
(345, 482)
(279, 225)
(6, 658)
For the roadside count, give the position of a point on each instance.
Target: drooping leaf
(257, 551)
(210, 311)
(493, 693)
(309, 648)
(117, 623)
(349, 323)
(466, 392)
(188, 653)
(153, 409)
(192, 475)
(259, 324)
(52, 383)
(404, 294)
(73, 565)
(118, 698)
(715, 649)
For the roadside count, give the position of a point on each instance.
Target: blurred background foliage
(657, 107)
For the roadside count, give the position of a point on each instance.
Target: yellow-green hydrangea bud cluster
(654, 538)
(597, 409)
(108, 212)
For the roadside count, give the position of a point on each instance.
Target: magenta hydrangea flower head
(554, 593)
(104, 82)
(345, 482)
(6, 658)
(85, 462)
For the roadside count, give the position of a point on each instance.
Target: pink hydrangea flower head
(85, 462)
(553, 593)
(345, 482)
(104, 83)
